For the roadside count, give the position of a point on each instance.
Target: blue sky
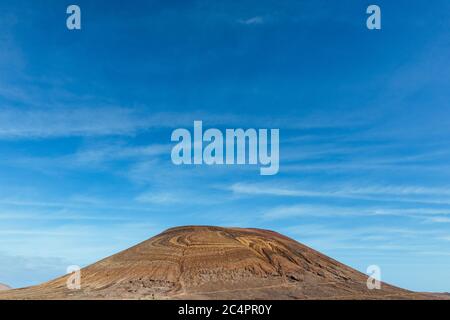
(86, 118)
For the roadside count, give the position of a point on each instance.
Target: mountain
(200, 262)
(4, 287)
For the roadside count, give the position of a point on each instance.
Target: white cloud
(158, 198)
(104, 120)
(105, 153)
(302, 210)
(266, 189)
(252, 21)
(182, 195)
(283, 212)
(438, 220)
(74, 207)
(371, 238)
(419, 194)
(96, 121)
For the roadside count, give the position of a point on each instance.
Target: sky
(86, 118)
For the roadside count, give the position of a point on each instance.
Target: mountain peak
(209, 262)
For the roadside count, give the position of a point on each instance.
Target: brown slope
(216, 263)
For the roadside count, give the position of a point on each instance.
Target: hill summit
(205, 262)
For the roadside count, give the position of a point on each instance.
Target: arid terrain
(197, 262)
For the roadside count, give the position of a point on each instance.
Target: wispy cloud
(65, 208)
(112, 152)
(354, 232)
(284, 212)
(400, 193)
(159, 198)
(371, 239)
(266, 189)
(82, 121)
(302, 210)
(184, 194)
(65, 122)
(309, 210)
(252, 21)
(58, 215)
(438, 219)
(104, 120)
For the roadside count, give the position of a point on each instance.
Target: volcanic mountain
(199, 262)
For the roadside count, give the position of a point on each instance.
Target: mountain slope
(198, 262)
